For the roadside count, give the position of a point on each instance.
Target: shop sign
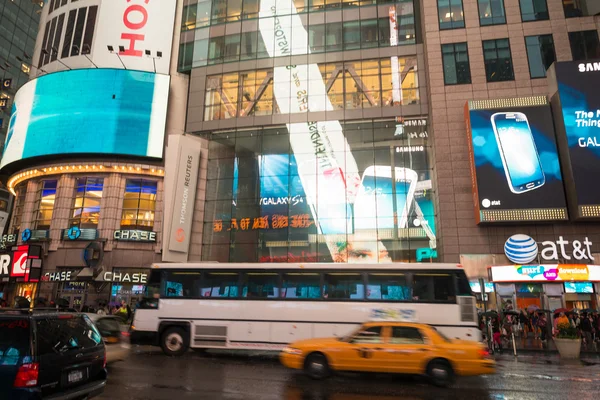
(58, 276)
(125, 277)
(545, 273)
(4, 264)
(7, 240)
(5, 84)
(19, 264)
(135, 236)
(522, 249)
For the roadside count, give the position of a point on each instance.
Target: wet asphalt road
(148, 374)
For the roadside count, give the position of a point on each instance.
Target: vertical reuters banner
(181, 177)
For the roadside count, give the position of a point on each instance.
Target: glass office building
(19, 21)
(315, 115)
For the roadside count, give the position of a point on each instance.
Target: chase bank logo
(521, 249)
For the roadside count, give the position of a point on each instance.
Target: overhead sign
(58, 276)
(125, 277)
(186, 179)
(5, 265)
(522, 249)
(515, 168)
(134, 236)
(19, 263)
(26, 235)
(74, 233)
(545, 273)
(576, 106)
(83, 112)
(137, 25)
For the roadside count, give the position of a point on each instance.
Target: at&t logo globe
(521, 249)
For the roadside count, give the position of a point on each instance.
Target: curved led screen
(90, 111)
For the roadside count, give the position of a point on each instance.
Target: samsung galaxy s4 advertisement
(516, 169)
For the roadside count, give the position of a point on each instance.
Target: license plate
(75, 376)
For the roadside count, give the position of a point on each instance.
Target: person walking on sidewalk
(524, 321)
(586, 330)
(542, 324)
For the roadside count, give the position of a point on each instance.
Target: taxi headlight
(291, 350)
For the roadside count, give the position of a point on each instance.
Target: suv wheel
(175, 341)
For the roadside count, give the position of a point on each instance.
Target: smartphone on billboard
(520, 158)
(374, 205)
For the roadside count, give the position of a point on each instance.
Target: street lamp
(53, 52)
(158, 55)
(85, 52)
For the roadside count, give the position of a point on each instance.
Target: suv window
(406, 335)
(65, 333)
(14, 340)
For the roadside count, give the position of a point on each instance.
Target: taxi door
(407, 350)
(364, 351)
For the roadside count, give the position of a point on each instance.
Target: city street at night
(149, 374)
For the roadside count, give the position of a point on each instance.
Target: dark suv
(50, 355)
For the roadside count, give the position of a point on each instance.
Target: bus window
(433, 287)
(261, 285)
(300, 285)
(219, 284)
(343, 286)
(462, 282)
(388, 286)
(180, 284)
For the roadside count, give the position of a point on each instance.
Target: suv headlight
(291, 350)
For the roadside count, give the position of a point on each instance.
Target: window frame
(18, 208)
(539, 48)
(582, 35)
(512, 67)
(462, 8)
(136, 226)
(37, 208)
(533, 20)
(455, 63)
(84, 196)
(492, 17)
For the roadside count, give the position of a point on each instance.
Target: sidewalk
(530, 345)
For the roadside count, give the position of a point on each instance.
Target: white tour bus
(266, 306)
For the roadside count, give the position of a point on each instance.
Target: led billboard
(92, 111)
(576, 107)
(514, 161)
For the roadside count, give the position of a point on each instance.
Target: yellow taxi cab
(396, 347)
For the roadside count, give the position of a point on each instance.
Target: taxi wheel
(440, 373)
(316, 366)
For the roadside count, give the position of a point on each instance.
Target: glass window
(86, 204)
(261, 285)
(491, 12)
(219, 284)
(14, 340)
(44, 204)
(60, 335)
(300, 285)
(219, 11)
(580, 8)
(534, 10)
(455, 58)
(368, 335)
(181, 284)
(388, 286)
(251, 8)
(540, 53)
(462, 283)
(433, 287)
(450, 13)
(498, 60)
(139, 204)
(339, 286)
(316, 38)
(18, 207)
(234, 10)
(368, 33)
(584, 45)
(406, 335)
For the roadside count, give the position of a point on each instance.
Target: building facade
(500, 49)
(85, 159)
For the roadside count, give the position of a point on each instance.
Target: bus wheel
(440, 373)
(174, 341)
(316, 366)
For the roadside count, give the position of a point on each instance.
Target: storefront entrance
(74, 292)
(528, 294)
